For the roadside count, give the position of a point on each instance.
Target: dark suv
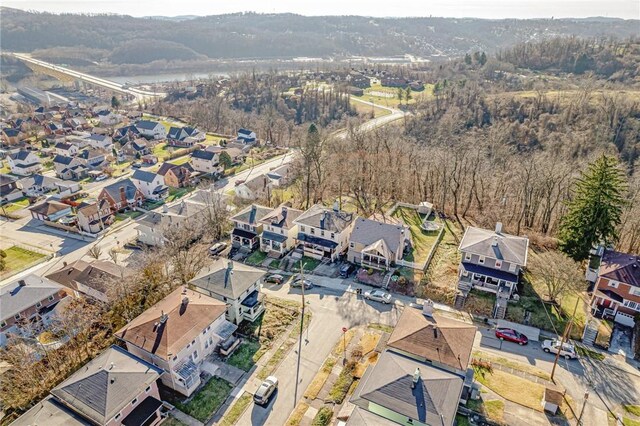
(346, 270)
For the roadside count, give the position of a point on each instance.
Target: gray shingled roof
(325, 218)
(146, 124)
(15, 298)
(50, 412)
(251, 214)
(114, 189)
(434, 400)
(107, 384)
(484, 242)
(213, 277)
(281, 217)
(367, 232)
(143, 175)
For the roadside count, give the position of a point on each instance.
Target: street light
(584, 404)
(344, 345)
(295, 395)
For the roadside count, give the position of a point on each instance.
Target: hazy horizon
(484, 9)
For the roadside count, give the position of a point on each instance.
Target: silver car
(266, 389)
(378, 296)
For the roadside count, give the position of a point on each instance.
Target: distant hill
(125, 39)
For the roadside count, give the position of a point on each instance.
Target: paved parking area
(621, 341)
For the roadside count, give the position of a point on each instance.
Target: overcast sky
(628, 9)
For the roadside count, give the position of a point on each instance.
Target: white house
(246, 136)
(151, 129)
(109, 118)
(100, 142)
(279, 231)
(24, 163)
(150, 184)
(323, 233)
(206, 161)
(235, 284)
(258, 187)
(247, 227)
(177, 334)
(66, 149)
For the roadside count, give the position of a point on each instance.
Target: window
(313, 231)
(467, 256)
(498, 263)
(38, 305)
(195, 355)
(147, 389)
(206, 344)
(481, 260)
(613, 284)
(204, 331)
(352, 245)
(302, 229)
(175, 357)
(17, 316)
(117, 416)
(634, 291)
(50, 298)
(3, 324)
(135, 401)
(512, 267)
(633, 305)
(322, 233)
(333, 235)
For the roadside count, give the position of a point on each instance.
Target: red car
(511, 336)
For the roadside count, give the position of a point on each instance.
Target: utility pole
(344, 345)
(295, 395)
(584, 404)
(567, 331)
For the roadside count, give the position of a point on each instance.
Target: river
(158, 78)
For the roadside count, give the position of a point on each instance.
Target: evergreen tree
(483, 58)
(595, 209)
(225, 159)
(3, 262)
(115, 103)
(467, 59)
(400, 95)
(407, 94)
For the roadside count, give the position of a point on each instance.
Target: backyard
(132, 214)
(16, 205)
(423, 241)
(206, 401)
(256, 258)
(176, 193)
(18, 258)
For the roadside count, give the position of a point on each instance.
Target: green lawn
(172, 421)
(630, 422)
(256, 258)
(236, 410)
(181, 160)
(309, 264)
(175, 193)
(422, 241)
(244, 357)
(207, 400)
(18, 258)
(130, 214)
(633, 409)
(160, 150)
(16, 205)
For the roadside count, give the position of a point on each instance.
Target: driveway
(621, 341)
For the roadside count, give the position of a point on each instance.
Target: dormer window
(613, 284)
(498, 263)
(481, 260)
(467, 256)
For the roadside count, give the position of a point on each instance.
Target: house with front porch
(24, 163)
(177, 334)
(151, 184)
(323, 233)
(492, 261)
(616, 294)
(377, 245)
(247, 226)
(94, 216)
(50, 210)
(234, 283)
(9, 190)
(205, 161)
(279, 231)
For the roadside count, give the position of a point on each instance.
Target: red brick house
(122, 195)
(176, 176)
(616, 294)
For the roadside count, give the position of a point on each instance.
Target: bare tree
(95, 251)
(558, 273)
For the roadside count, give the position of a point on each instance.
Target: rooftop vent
(163, 318)
(498, 227)
(416, 378)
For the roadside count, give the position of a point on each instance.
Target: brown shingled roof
(436, 338)
(184, 322)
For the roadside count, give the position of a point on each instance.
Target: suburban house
(258, 187)
(67, 149)
(177, 334)
(76, 123)
(616, 293)
(90, 279)
(122, 195)
(234, 283)
(236, 155)
(108, 118)
(27, 305)
(151, 129)
(24, 163)
(126, 134)
(40, 184)
(492, 262)
(150, 184)
(184, 137)
(421, 377)
(100, 141)
(279, 231)
(151, 228)
(176, 175)
(115, 388)
(94, 216)
(9, 190)
(323, 233)
(135, 147)
(246, 136)
(50, 210)
(93, 157)
(52, 128)
(206, 161)
(247, 227)
(11, 136)
(70, 167)
(377, 245)
(280, 175)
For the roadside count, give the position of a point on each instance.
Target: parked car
(552, 346)
(346, 270)
(266, 389)
(275, 279)
(511, 335)
(101, 177)
(217, 248)
(136, 165)
(299, 281)
(378, 296)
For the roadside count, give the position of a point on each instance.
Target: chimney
(336, 206)
(416, 378)
(165, 208)
(64, 263)
(123, 196)
(227, 274)
(494, 243)
(322, 219)
(427, 308)
(163, 317)
(498, 227)
(22, 283)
